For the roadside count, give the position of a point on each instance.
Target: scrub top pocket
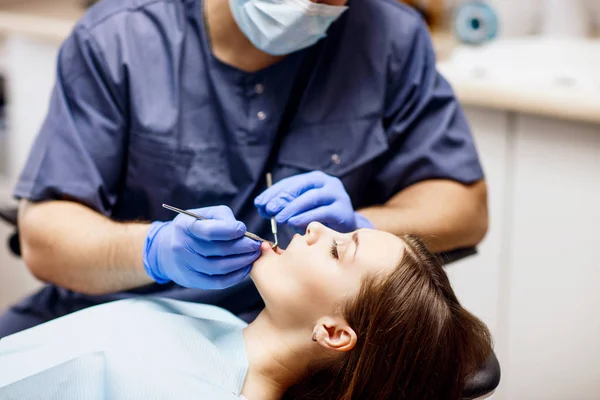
(346, 149)
(154, 170)
(187, 178)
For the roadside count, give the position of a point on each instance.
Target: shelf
(51, 20)
(538, 76)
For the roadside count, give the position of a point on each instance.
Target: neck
(229, 44)
(277, 358)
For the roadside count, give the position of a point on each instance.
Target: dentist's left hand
(314, 196)
(209, 254)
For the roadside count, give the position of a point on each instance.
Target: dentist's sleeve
(429, 135)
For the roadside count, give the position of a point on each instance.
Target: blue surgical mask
(280, 27)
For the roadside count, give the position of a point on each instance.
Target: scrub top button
(262, 115)
(259, 88)
(336, 159)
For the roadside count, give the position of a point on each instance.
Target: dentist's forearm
(74, 247)
(448, 215)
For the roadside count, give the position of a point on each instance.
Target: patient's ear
(334, 334)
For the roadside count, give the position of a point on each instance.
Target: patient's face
(321, 269)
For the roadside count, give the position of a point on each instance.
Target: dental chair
(480, 386)
(9, 215)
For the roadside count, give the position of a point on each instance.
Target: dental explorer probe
(201, 218)
(273, 222)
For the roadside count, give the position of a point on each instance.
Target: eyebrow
(356, 243)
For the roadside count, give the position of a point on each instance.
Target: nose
(314, 231)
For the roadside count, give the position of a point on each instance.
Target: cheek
(311, 276)
(323, 284)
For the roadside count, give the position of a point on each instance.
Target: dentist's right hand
(209, 254)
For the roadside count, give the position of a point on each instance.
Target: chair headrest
(485, 381)
(9, 214)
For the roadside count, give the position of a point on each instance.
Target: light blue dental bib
(131, 349)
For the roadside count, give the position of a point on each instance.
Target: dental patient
(365, 315)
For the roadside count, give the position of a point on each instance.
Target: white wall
(15, 279)
(30, 71)
(29, 67)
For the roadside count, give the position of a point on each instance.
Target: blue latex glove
(314, 196)
(211, 254)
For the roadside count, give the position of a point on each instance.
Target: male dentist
(191, 102)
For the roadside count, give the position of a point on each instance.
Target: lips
(266, 249)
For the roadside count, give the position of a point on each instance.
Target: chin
(267, 260)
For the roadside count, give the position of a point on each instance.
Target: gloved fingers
(207, 248)
(279, 202)
(216, 266)
(307, 201)
(294, 186)
(274, 198)
(199, 280)
(321, 214)
(211, 229)
(221, 213)
(363, 222)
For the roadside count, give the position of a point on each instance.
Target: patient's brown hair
(415, 340)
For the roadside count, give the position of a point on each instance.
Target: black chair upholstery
(9, 215)
(484, 382)
(456, 255)
(487, 378)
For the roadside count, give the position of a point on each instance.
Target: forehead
(378, 251)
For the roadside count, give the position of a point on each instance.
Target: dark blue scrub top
(143, 114)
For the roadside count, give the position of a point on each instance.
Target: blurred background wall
(527, 73)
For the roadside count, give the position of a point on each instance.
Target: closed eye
(334, 250)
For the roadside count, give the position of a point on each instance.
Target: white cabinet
(536, 281)
(476, 279)
(554, 265)
(30, 69)
(479, 280)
